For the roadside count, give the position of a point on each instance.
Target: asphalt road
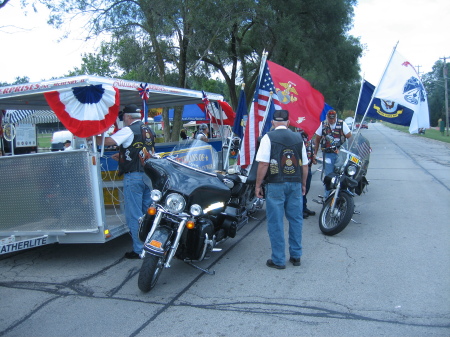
(387, 275)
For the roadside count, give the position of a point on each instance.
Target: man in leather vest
(331, 134)
(131, 140)
(283, 163)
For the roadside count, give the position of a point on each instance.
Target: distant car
(363, 126)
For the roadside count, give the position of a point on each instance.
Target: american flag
(256, 117)
(363, 147)
(144, 93)
(206, 102)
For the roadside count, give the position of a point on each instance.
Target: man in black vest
(283, 163)
(132, 139)
(330, 135)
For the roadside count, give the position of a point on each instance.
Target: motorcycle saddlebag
(196, 238)
(361, 185)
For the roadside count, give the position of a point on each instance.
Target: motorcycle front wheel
(334, 223)
(152, 266)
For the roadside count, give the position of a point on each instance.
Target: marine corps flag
(381, 109)
(278, 89)
(295, 94)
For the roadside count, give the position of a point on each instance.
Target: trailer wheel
(152, 266)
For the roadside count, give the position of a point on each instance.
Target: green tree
(19, 80)
(100, 64)
(435, 87)
(172, 41)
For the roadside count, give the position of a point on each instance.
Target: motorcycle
(347, 179)
(194, 208)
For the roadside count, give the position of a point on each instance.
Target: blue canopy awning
(191, 112)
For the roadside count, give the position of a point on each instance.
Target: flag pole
(356, 110)
(375, 91)
(385, 69)
(261, 68)
(374, 94)
(359, 97)
(269, 101)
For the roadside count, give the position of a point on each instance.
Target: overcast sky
(29, 47)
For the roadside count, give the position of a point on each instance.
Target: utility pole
(446, 93)
(418, 70)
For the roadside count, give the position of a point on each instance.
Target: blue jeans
(284, 199)
(137, 200)
(329, 159)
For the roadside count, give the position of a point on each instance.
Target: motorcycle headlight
(196, 210)
(156, 195)
(175, 203)
(351, 170)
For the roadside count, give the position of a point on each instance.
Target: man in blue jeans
(131, 140)
(283, 164)
(330, 135)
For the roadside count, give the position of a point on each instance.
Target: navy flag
(384, 110)
(241, 115)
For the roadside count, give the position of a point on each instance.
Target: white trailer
(59, 196)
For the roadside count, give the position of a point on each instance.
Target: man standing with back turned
(132, 139)
(283, 162)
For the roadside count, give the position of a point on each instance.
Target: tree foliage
(186, 42)
(19, 80)
(100, 64)
(435, 87)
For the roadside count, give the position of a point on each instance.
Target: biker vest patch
(273, 166)
(285, 156)
(289, 163)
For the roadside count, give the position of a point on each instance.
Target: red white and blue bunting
(86, 111)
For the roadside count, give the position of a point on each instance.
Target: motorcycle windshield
(195, 154)
(360, 146)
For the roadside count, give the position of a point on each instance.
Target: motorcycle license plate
(354, 159)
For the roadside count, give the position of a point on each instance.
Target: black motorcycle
(348, 179)
(194, 207)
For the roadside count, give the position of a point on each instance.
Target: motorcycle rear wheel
(152, 266)
(344, 207)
